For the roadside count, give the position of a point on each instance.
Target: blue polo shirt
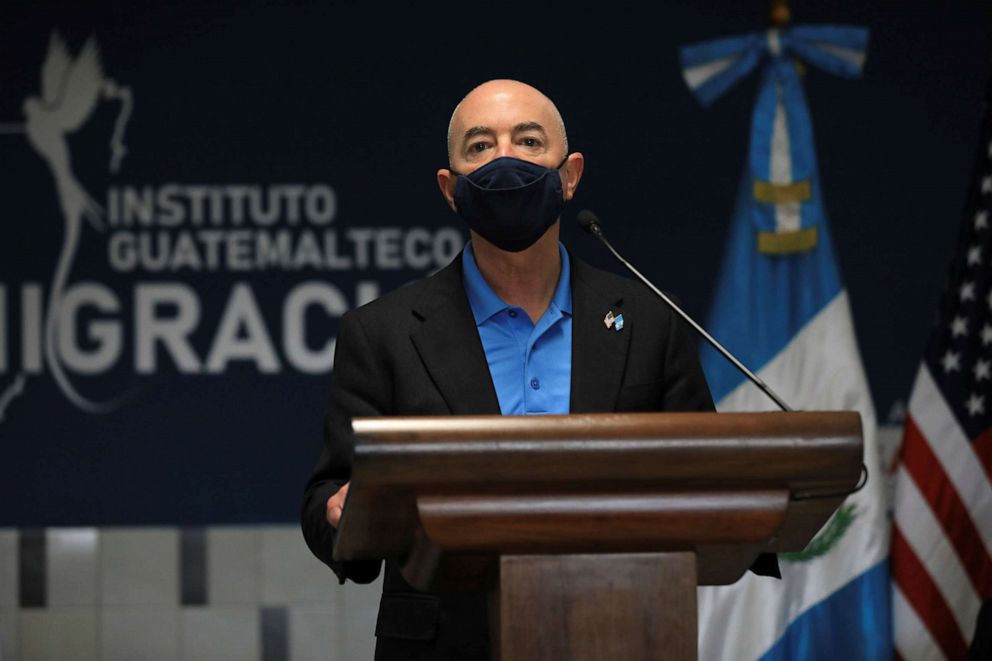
(531, 365)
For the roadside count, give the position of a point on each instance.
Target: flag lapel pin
(613, 321)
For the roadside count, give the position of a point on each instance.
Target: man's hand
(335, 505)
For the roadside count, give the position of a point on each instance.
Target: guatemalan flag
(781, 307)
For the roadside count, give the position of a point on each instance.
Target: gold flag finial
(780, 13)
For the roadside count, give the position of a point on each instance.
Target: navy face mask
(510, 202)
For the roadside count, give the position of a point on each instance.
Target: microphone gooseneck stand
(589, 222)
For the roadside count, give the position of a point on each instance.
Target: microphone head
(588, 221)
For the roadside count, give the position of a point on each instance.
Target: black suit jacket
(416, 351)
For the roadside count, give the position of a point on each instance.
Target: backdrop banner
(192, 195)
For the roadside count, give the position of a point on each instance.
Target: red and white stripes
(942, 533)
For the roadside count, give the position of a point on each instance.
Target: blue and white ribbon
(782, 158)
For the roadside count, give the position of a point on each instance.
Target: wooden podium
(591, 532)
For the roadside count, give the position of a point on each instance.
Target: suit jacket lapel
(599, 354)
(449, 345)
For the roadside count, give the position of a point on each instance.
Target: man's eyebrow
(477, 131)
(528, 126)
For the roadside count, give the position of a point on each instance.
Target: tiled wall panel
(240, 593)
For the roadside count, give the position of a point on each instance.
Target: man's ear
(446, 182)
(571, 173)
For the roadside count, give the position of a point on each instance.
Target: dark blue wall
(357, 96)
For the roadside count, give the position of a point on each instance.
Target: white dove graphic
(70, 91)
(69, 94)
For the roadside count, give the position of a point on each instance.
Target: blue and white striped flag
(781, 307)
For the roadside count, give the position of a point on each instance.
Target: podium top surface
(803, 451)
(773, 424)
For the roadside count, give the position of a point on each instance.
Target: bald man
(514, 325)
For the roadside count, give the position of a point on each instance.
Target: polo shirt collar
(484, 301)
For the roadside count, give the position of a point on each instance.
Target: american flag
(942, 533)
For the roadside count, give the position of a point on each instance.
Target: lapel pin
(613, 321)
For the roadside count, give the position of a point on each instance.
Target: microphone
(589, 222)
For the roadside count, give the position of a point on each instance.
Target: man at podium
(514, 325)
